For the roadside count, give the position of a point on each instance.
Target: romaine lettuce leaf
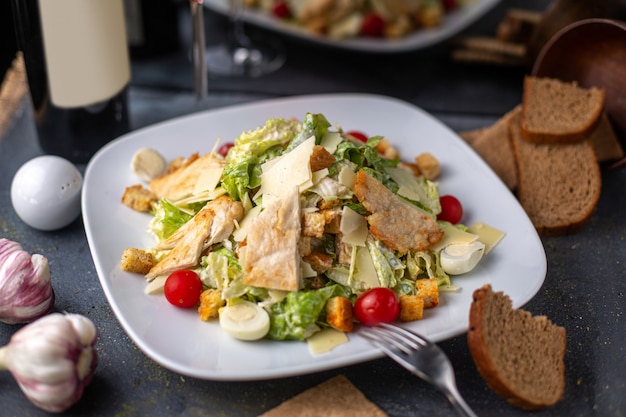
(296, 317)
(167, 219)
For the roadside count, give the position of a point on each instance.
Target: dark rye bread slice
(558, 185)
(520, 357)
(555, 111)
(336, 397)
(494, 146)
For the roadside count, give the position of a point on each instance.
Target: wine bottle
(76, 58)
(151, 27)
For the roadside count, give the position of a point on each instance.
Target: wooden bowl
(593, 53)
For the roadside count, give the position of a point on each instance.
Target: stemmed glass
(198, 50)
(240, 55)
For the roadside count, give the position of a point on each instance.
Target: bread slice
(605, 142)
(558, 185)
(337, 397)
(520, 357)
(494, 146)
(555, 111)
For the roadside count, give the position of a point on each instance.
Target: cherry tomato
(451, 209)
(449, 5)
(373, 25)
(281, 10)
(223, 150)
(357, 135)
(377, 305)
(183, 288)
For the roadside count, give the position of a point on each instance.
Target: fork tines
(398, 337)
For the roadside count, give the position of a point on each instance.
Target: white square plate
(180, 341)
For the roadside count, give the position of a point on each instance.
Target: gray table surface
(583, 291)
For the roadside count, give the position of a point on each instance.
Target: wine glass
(241, 55)
(198, 50)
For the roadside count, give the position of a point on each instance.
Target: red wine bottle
(76, 58)
(151, 27)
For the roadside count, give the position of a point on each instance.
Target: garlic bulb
(52, 359)
(25, 289)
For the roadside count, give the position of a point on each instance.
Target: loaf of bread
(555, 111)
(520, 356)
(558, 185)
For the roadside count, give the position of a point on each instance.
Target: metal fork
(421, 357)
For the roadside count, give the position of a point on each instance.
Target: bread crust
(529, 190)
(573, 135)
(476, 339)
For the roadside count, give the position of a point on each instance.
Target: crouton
(313, 224)
(428, 289)
(431, 16)
(329, 204)
(320, 158)
(138, 198)
(320, 262)
(339, 313)
(395, 222)
(411, 307)
(428, 165)
(332, 218)
(385, 148)
(308, 244)
(210, 303)
(136, 260)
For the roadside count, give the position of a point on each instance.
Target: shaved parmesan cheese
(306, 270)
(488, 235)
(208, 178)
(330, 141)
(347, 177)
(239, 235)
(365, 270)
(290, 170)
(317, 176)
(353, 227)
(453, 236)
(156, 285)
(409, 188)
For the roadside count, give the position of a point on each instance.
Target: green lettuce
(250, 150)
(313, 125)
(296, 317)
(167, 219)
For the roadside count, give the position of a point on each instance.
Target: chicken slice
(211, 225)
(190, 178)
(395, 222)
(272, 259)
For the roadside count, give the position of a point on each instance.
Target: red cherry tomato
(373, 25)
(449, 5)
(357, 135)
(183, 288)
(281, 10)
(223, 150)
(451, 209)
(377, 305)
